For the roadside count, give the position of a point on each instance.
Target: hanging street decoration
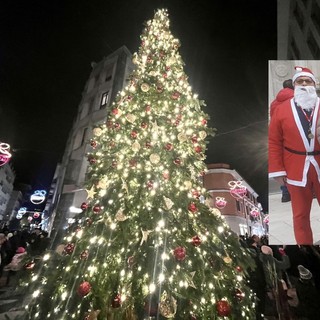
(237, 190)
(38, 196)
(220, 202)
(5, 154)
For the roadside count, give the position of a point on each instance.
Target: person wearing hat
(294, 153)
(308, 295)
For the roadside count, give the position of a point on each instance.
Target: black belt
(304, 153)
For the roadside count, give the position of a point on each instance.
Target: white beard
(305, 97)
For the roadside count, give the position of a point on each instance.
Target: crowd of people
(286, 279)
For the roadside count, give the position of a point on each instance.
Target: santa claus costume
(294, 153)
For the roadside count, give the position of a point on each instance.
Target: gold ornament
(97, 132)
(136, 146)
(60, 249)
(131, 118)
(227, 259)
(145, 235)
(190, 280)
(154, 158)
(168, 202)
(182, 137)
(188, 184)
(145, 87)
(120, 216)
(202, 135)
(152, 73)
(167, 305)
(90, 193)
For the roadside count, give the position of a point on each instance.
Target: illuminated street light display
(38, 196)
(5, 154)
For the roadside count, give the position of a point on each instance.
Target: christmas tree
(148, 245)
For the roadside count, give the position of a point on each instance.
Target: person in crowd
(276, 286)
(308, 296)
(17, 260)
(257, 279)
(294, 153)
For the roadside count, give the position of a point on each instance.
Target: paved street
(281, 225)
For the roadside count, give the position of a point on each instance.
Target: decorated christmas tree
(148, 246)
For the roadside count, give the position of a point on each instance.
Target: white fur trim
(303, 74)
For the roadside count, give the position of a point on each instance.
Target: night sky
(46, 50)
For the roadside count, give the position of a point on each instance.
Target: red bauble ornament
(148, 144)
(204, 122)
(166, 175)
(129, 98)
(176, 123)
(196, 194)
(192, 207)
(84, 206)
(194, 139)
(238, 268)
(84, 288)
(93, 143)
(165, 75)
(134, 134)
(92, 160)
(115, 111)
(150, 184)
(96, 209)
(159, 88)
(117, 125)
(196, 241)
(114, 164)
(84, 255)
(144, 125)
(116, 301)
(177, 161)
(197, 149)
(223, 308)
(89, 222)
(169, 146)
(175, 95)
(69, 248)
(130, 261)
(179, 253)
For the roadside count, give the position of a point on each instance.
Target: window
(104, 100)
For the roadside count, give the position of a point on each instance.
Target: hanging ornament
(136, 146)
(90, 193)
(120, 216)
(227, 259)
(239, 295)
(133, 163)
(84, 206)
(238, 268)
(93, 143)
(167, 305)
(154, 158)
(196, 241)
(166, 175)
(38, 196)
(177, 161)
(69, 248)
(220, 202)
(192, 207)
(168, 203)
(116, 301)
(145, 235)
(255, 213)
(130, 261)
(148, 145)
(237, 190)
(159, 88)
(84, 288)
(115, 111)
(114, 164)
(190, 280)
(133, 134)
(89, 222)
(109, 124)
(131, 118)
(194, 139)
(202, 135)
(96, 209)
(179, 253)
(169, 146)
(84, 255)
(117, 126)
(175, 95)
(195, 194)
(148, 108)
(145, 87)
(182, 137)
(144, 125)
(223, 308)
(97, 132)
(204, 122)
(150, 184)
(197, 149)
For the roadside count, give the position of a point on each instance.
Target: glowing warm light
(38, 196)
(5, 154)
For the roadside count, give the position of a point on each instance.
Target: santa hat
(303, 72)
(304, 273)
(266, 250)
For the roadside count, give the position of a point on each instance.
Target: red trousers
(301, 201)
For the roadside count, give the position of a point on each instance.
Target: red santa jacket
(283, 95)
(286, 131)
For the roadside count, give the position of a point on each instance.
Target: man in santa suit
(294, 153)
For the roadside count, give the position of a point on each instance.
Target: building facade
(242, 212)
(298, 29)
(7, 176)
(107, 78)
